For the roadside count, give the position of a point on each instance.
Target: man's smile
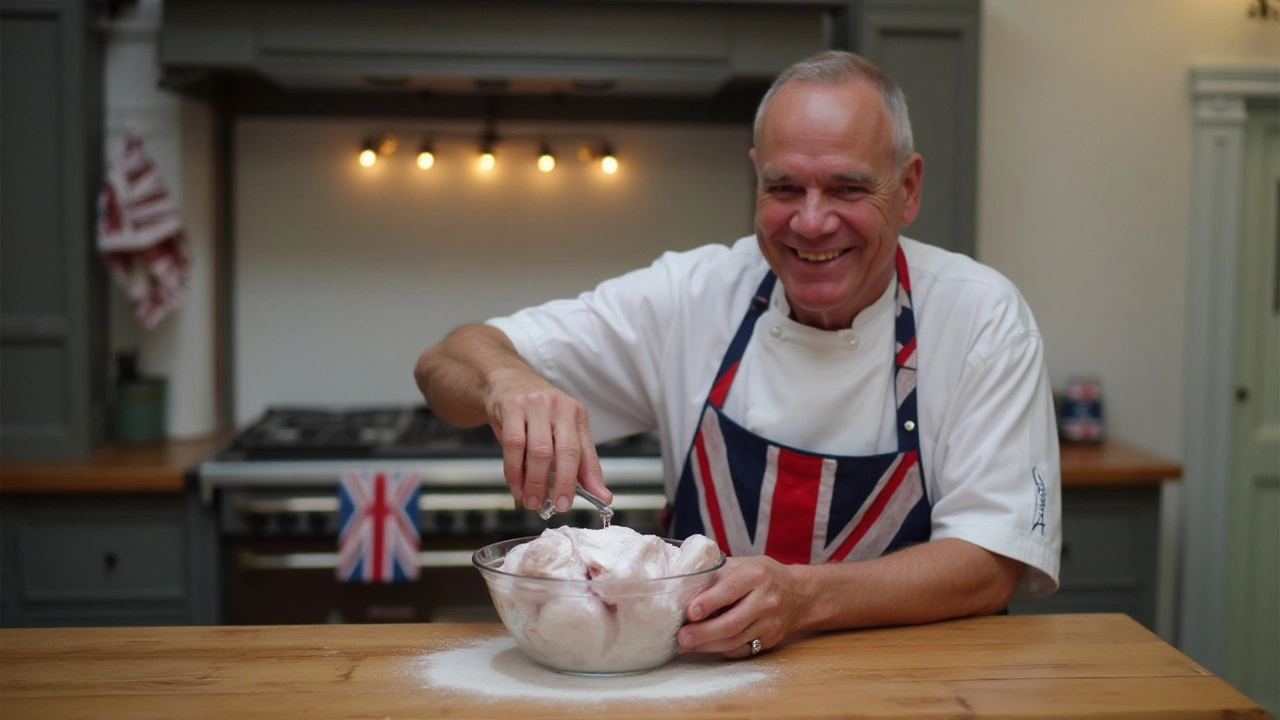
(819, 257)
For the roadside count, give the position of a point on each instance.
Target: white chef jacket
(641, 351)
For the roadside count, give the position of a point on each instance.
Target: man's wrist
(814, 602)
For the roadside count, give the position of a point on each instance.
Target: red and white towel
(141, 237)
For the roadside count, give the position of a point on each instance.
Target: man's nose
(814, 217)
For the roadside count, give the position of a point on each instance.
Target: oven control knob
(318, 523)
(257, 523)
(475, 521)
(287, 522)
(444, 521)
(511, 522)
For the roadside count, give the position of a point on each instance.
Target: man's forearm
(455, 375)
(923, 583)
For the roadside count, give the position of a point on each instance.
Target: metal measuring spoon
(606, 512)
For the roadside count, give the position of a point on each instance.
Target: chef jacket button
(775, 331)
(852, 341)
(909, 425)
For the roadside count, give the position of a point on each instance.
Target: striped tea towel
(141, 237)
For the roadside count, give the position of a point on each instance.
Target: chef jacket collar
(779, 313)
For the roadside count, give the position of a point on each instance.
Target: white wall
(344, 274)
(177, 134)
(1085, 191)
(1085, 183)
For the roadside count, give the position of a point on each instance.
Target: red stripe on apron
(877, 507)
(904, 277)
(905, 353)
(709, 489)
(795, 504)
(720, 390)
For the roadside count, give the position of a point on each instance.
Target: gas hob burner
(308, 433)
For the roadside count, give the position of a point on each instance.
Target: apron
(757, 497)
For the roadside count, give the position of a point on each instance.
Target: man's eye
(851, 189)
(784, 189)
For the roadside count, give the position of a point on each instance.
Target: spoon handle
(606, 512)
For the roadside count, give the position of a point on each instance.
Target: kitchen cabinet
(930, 47)
(99, 559)
(628, 48)
(1109, 554)
(53, 324)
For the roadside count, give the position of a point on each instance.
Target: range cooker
(273, 489)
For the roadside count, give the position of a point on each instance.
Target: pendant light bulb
(368, 156)
(487, 160)
(608, 163)
(426, 158)
(546, 161)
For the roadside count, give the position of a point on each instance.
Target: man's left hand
(752, 597)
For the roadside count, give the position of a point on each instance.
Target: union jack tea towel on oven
(378, 536)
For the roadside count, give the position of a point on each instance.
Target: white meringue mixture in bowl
(597, 602)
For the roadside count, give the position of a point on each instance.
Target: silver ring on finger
(756, 646)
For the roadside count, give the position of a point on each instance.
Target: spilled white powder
(496, 668)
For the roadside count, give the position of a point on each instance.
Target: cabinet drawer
(1108, 543)
(87, 554)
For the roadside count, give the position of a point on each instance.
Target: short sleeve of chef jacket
(641, 350)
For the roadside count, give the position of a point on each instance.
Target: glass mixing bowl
(590, 627)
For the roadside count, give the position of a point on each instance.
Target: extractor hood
(584, 47)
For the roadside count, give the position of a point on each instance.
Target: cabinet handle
(110, 561)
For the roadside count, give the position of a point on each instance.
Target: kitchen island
(1062, 666)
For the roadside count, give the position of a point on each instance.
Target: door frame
(1220, 97)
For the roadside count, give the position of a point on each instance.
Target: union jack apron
(757, 497)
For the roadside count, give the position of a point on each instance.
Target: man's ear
(752, 154)
(912, 178)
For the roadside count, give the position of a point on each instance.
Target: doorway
(1252, 623)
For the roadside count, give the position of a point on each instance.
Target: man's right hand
(475, 375)
(543, 430)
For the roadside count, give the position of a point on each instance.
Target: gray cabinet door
(53, 341)
(75, 560)
(1109, 549)
(931, 48)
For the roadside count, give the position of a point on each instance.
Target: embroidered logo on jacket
(1040, 500)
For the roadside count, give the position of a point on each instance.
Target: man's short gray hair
(838, 66)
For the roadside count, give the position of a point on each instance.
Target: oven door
(279, 553)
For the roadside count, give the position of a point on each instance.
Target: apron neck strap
(729, 366)
(904, 360)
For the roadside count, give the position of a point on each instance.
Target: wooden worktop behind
(162, 468)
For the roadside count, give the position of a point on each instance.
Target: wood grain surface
(1042, 666)
(161, 468)
(1113, 463)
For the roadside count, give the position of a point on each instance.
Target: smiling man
(861, 421)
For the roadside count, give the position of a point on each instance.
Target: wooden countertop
(161, 468)
(1062, 666)
(112, 469)
(1113, 463)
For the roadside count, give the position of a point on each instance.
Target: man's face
(829, 202)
